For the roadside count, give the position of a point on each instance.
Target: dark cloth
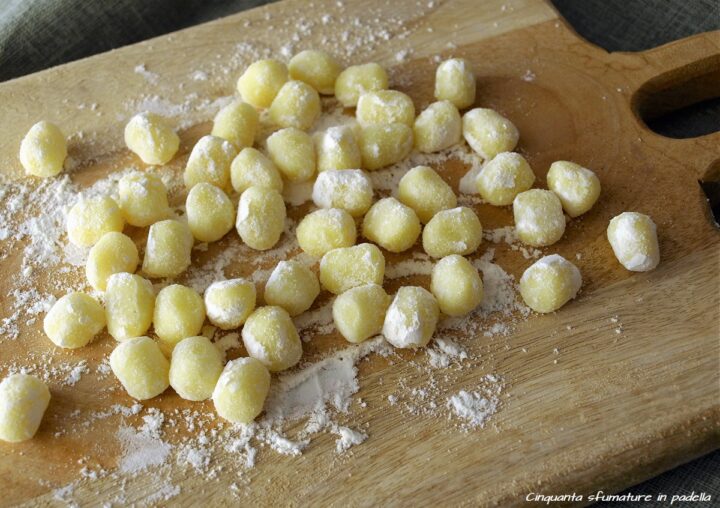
(37, 34)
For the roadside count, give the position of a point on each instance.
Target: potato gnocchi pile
(224, 165)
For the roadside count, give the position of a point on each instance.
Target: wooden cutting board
(604, 411)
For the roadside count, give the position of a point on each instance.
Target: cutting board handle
(673, 76)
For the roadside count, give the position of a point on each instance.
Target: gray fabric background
(36, 34)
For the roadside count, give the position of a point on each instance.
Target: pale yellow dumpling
(455, 82)
(489, 133)
(91, 218)
(348, 189)
(439, 126)
(237, 123)
(423, 190)
(241, 390)
(358, 80)
(359, 312)
(129, 305)
(251, 168)
(293, 152)
(113, 253)
(633, 238)
(143, 199)
(385, 107)
(412, 317)
(195, 367)
(337, 148)
(457, 285)
(316, 68)
(503, 177)
(577, 187)
(228, 303)
(269, 335)
(74, 320)
(140, 367)
(296, 104)
(209, 162)
(261, 81)
(151, 138)
(23, 401)
(347, 267)
(292, 286)
(260, 217)
(391, 225)
(179, 313)
(385, 144)
(324, 230)
(168, 249)
(210, 213)
(43, 150)
(550, 283)
(539, 219)
(454, 231)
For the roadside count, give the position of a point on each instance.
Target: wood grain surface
(605, 411)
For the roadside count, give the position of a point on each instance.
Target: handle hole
(682, 103)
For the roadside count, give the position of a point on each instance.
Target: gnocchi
(384, 144)
(337, 148)
(43, 150)
(348, 189)
(577, 187)
(455, 82)
(539, 219)
(261, 81)
(129, 305)
(550, 283)
(237, 123)
(195, 367)
(358, 80)
(179, 313)
(113, 253)
(260, 217)
(412, 317)
(316, 68)
(269, 335)
(140, 367)
(489, 133)
(503, 177)
(296, 104)
(439, 126)
(168, 249)
(210, 213)
(149, 137)
(74, 320)
(292, 286)
(359, 312)
(454, 231)
(228, 303)
(293, 152)
(23, 401)
(209, 162)
(456, 285)
(385, 107)
(252, 168)
(143, 199)
(392, 225)
(423, 190)
(241, 390)
(91, 218)
(324, 230)
(633, 238)
(347, 267)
